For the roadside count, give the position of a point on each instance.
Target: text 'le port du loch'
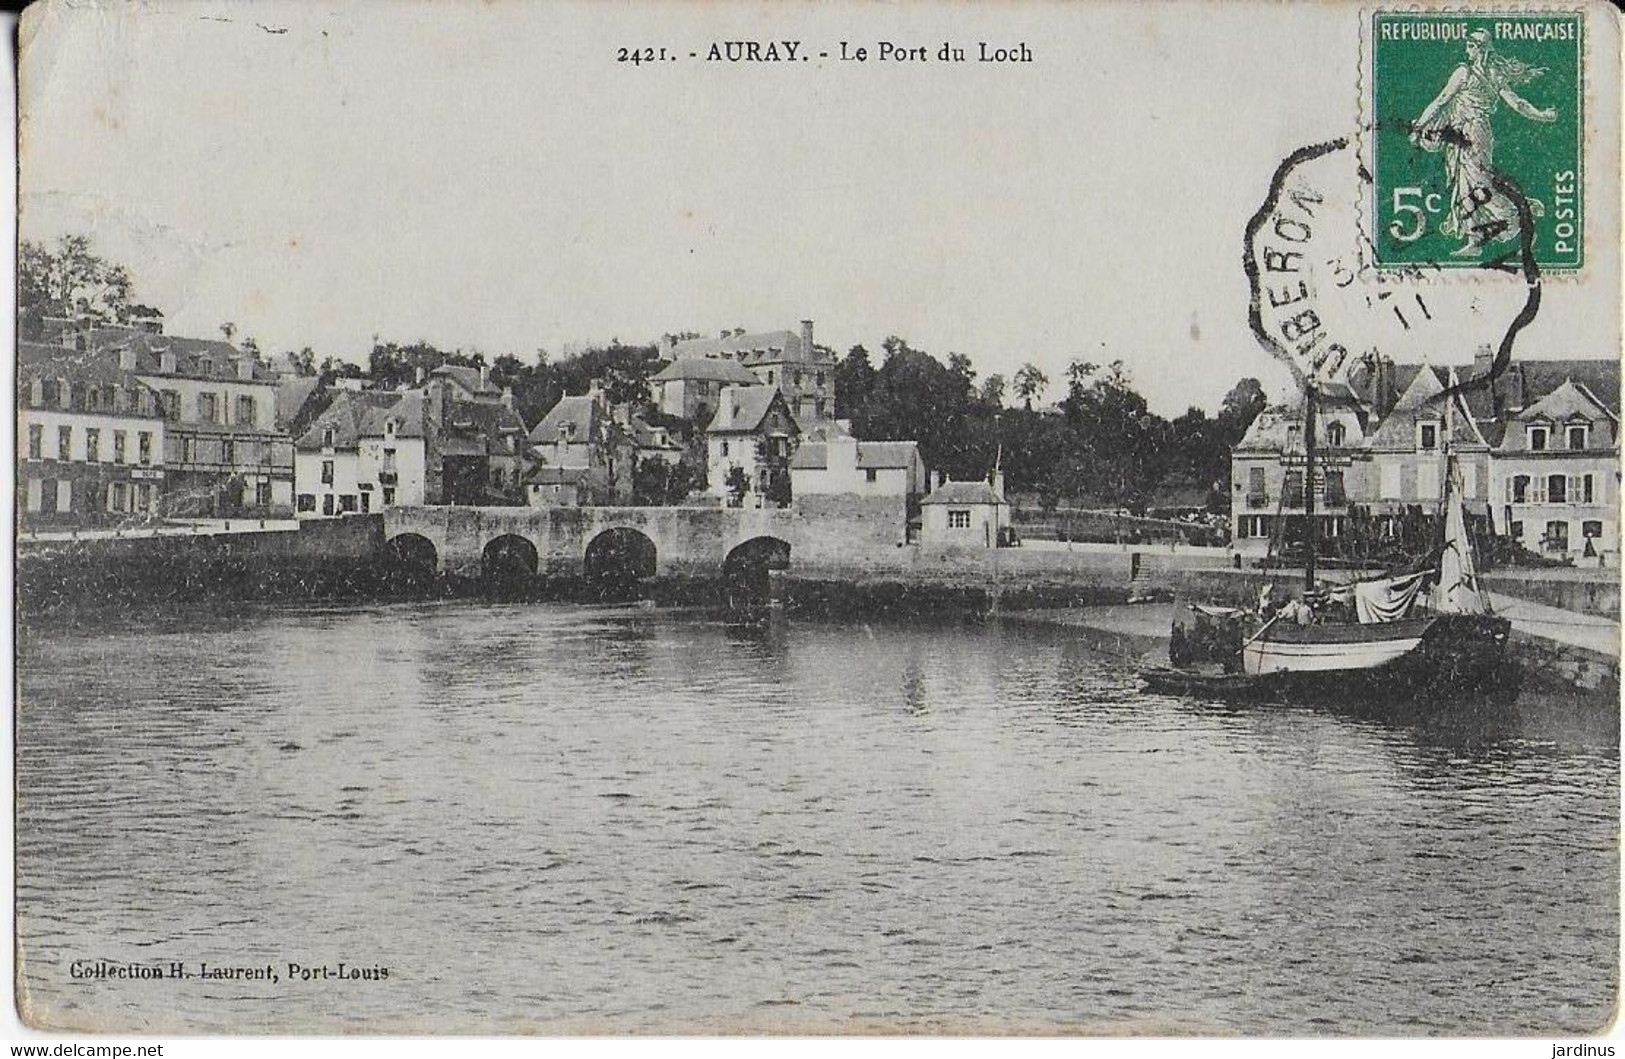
(884, 51)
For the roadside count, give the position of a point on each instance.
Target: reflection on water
(565, 818)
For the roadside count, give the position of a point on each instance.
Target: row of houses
(1538, 452)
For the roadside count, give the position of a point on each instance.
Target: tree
(993, 391)
(305, 361)
(737, 484)
(69, 281)
(228, 329)
(854, 379)
(1030, 384)
(1242, 404)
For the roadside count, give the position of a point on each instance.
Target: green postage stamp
(1477, 121)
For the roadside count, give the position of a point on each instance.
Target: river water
(562, 818)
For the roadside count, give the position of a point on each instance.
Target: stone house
(750, 440)
(789, 360)
(90, 440)
(964, 515)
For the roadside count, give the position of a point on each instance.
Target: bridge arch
(747, 569)
(509, 558)
(620, 556)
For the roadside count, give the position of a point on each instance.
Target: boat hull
(1283, 648)
(1442, 658)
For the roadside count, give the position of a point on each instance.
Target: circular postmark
(1319, 303)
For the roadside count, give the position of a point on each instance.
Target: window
(819, 379)
(1585, 489)
(389, 428)
(770, 375)
(93, 444)
(1335, 435)
(120, 499)
(958, 519)
(389, 459)
(245, 411)
(1519, 487)
(366, 503)
(347, 503)
(118, 446)
(327, 503)
(327, 437)
(1256, 493)
(1537, 439)
(871, 475)
(36, 441)
(262, 494)
(1557, 536)
(205, 366)
(170, 402)
(305, 502)
(207, 409)
(1427, 481)
(189, 450)
(1516, 529)
(47, 495)
(50, 393)
(228, 451)
(1427, 436)
(389, 496)
(1577, 437)
(327, 474)
(1557, 489)
(64, 443)
(725, 448)
(143, 497)
(1294, 488)
(1335, 494)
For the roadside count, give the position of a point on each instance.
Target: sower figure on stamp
(1458, 121)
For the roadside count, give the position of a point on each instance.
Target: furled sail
(1457, 590)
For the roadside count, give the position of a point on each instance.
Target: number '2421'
(636, 56)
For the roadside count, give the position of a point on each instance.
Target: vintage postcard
(765, 519)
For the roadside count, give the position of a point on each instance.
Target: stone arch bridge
(562, 542)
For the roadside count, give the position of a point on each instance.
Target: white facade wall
(962, 525)
(408, 463)
(327, 499)
(226, 392)
(1558, 528)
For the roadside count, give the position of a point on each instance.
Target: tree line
(1098, 445)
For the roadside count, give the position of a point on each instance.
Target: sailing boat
(1427, 633)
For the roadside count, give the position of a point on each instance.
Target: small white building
(964, 514)
(1556, 477)
(366, 451)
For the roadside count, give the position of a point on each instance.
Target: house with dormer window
(1556, 475)
(1409, 447)
(748, 445)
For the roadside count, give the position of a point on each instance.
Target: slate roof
(580, 412)
(486, 420)
(292, 393)
(872, 455)
(1398, 429)
(468, 378)
(344, 414)
(706, 369)
(407, 413)
(767, 347)
(1567, 401)
(192, 355)
(749, 406)
(964, 493)
(546, 475)
(40, 360)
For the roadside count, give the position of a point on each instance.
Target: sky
(488, 176)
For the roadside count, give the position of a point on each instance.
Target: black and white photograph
(782, 520)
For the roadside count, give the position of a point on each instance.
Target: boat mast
(1311, 535)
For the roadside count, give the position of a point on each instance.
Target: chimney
(245, 368)
(806, 338)
(507, 397)
(126, 358)
(485, 377)
(420, 375)
(998, 482)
